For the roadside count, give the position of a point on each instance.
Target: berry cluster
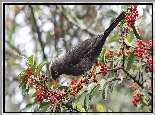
(134, 86)
(104, 69)
(40, 95)
(29, 77)
(133, 14)
(141, 51)
(43, 77)
(78, 86)
(136, 98)
(45, 94)
(110, 53)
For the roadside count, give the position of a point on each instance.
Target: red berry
(58, 104)
(28, 69)
(95, 80)
(118, 53)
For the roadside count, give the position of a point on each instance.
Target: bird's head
(54, 73)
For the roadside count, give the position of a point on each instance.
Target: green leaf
(91, 94)
(27, 107)
(21, 74)
(141, 107)
(90, 87)
(62, 87)
(100, 108)
(136, 33)
(130, 61)
(102, 55)
(134, 42)
(21, 84)
(34, 94)
(130, 91)
(104, 92)
(102, 83)
(111, 65)
(112, 86)
(80, 94)
(79, 107)
(145, 91)
(44, 105)
(128, 38)
(58, 53)
(86, 102)
(31, 60)
(41, 65)
(144, 101)
(114, 38)
(24, 90)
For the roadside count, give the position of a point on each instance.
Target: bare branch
(39, 36)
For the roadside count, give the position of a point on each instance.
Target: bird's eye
(56, 73)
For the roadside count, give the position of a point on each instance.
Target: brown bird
(81, 58)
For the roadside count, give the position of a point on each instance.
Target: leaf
(102, 83)
(58, 53)
(41, 65)
(62, 87)
(104, 92)
(144, 101)
(114, 38)
(130, 61)
(21, 84)
(111, 65)
(31, 60)
(136, 33)
(24, 90)
(102, 55)
(134, 42)
(91, 94)
(44, 105)
(112, 86)
(90, 87)
(129, 92)
(27, 107)
(21, 74)
(80, 94)
(86, 101)
(145, 91)
(100, 108)
(79, 107)
(141, 107)
(34, 94)
(128, 38)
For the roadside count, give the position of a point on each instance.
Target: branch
(13, 47)
(39, 35)
(134, 79)
(78, 22)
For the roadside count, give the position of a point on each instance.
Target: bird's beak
(56, 81)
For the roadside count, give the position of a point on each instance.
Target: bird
(81, 58)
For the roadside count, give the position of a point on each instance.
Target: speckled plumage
(81, 58)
